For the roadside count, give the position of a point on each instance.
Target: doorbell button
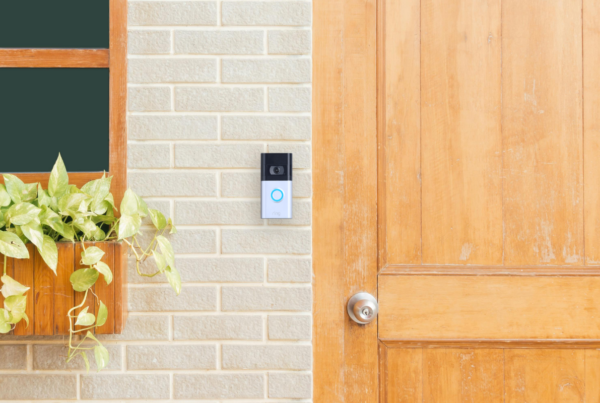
(276, 185)
(277, 195)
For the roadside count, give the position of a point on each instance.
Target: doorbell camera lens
(278, 170)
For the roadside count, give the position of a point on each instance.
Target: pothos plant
(65, 213)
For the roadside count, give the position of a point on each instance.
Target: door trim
(344, 197)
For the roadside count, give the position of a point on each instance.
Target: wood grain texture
(452, 270)
(473, 307)
(399, 128)
(345, 195)
(463, 375)
(90, 302)
(591, 129)
(461, 131)
(120, 280)
(44, 306)
(545, 376)
(23, 272)
(118, 98)
(64, 295)
(55, 58)
(592, 375)
(404, 377)
(542, 132)
(106, 292)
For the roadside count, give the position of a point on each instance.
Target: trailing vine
(65, 213)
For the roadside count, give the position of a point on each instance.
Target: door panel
(414, 307)
(542, 131)
(461, 133)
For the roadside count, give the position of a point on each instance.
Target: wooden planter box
(51, 297)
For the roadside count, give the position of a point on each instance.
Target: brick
(266, 127)
(266, 298)
(13, 356)
(149, 42)
(266, 70)
(172, 357)
(302, 214)
(290, 99)
(42, 387)
(302, 153)
(247, 184)
(218, 212)
(156, 127)
(165, 300)
(148, 155)
(125, 386)
(291, 357)
(173, 183)
(221, 42)
(187, 240)
(213, 99)
(266, 13)
(218, 155)
(289, 270)
(210, 327)
(290, 327)
(291, 386)
(172, 70)
(208, 270)
(52, 357)
(140, 328)
(144, 99)
(221, 386)
(266, 241)
(172, 13)
(290, 42)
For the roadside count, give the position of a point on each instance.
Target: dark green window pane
(44, 112)
(54, 24)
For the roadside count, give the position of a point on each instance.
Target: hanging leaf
(33, 231)
(158, 219)
(173, 278)
(84, 318)
(166, 249)
(59, 179)
(105, 270)
(5, 199)
(173, 229)
(22, 213)
(102, 357)
(17, 305)
(129, 225)
(102, 314)
(50, 253)
(5, 321)
(160, 260)
(83, 279)
(85, 360)
(12, 246)
(142, 206)
(129, 204)
(14, 187)
(11, 287)
(91, 255)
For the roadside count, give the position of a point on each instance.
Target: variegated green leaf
(105, 270)
(173, 278)
(14, 187)
(5, 199)
(166, 249)
(129, 226)
(83, 279)
(59, 179)
(158, 219)
(102, 314)
(102, 357)
(12, 246)
(33, 231)
(49, 253)
(5, 321)
(84, 318)
(11, 287)
(22, 213)
(91, 255)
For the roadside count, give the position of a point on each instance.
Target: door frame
(346, 50)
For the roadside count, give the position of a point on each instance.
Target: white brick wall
(212, 84)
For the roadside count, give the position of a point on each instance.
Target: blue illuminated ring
(274, 199)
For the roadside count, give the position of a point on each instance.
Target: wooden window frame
(115, 59)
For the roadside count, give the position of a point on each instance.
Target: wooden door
(485, 244)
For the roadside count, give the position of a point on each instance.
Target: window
(63, 87)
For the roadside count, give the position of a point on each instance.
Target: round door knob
(363, 308)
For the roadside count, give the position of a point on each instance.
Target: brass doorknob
(363, 308)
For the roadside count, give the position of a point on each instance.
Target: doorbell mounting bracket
(276, 185)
